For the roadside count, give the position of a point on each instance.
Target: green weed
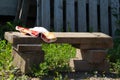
(5, 58)
(57, 57)
(114, 56)
(8, 26)
(114, 53)
(8, 72)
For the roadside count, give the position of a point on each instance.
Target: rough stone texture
(89, 60)
(28, 47)
(25, 61)
(94, 56)
(104, 66)
(81, 65)
(35, 79)
(78, 54)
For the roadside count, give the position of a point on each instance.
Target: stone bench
(91, 50)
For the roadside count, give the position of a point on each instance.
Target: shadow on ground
(86, 75)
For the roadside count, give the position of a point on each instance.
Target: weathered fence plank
(84, 15)
(58, 15)
(104, 25)
(19, 4)
(114, 10)
(38, 18)
(82, 24)
(8, 7)
(70, 15)
(45, 12)
(24, 11)
(93, 17)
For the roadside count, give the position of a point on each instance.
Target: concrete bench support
(89, 60)
(27, 56)
(91, 50)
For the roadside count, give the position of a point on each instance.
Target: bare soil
(83, 76)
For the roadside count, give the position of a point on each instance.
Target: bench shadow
(84, 75)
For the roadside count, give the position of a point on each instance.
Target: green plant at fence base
(9, 26)
(68, 27)
(114, 53)
(91, 29)
(114, 56)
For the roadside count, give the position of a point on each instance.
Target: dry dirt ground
(81, 76)
(84, 76)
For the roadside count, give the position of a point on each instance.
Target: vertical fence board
(8, 7)
(24, 11)
(114, 10)
(45, 7)
(44, 15)
(19, 5)
(82, 24)
(93, 19)
(38, 18)
(104, 16)
(70, 15)
(58, 15)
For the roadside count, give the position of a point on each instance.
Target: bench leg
(89, 60)
(26, 60)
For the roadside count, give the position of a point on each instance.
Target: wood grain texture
(93, 17)
(70, 15)
(58, 15)
(82, 22)
(45, 13)
(104, 24)
(114, 10)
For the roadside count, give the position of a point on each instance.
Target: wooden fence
(8, 7)
(78, 15)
